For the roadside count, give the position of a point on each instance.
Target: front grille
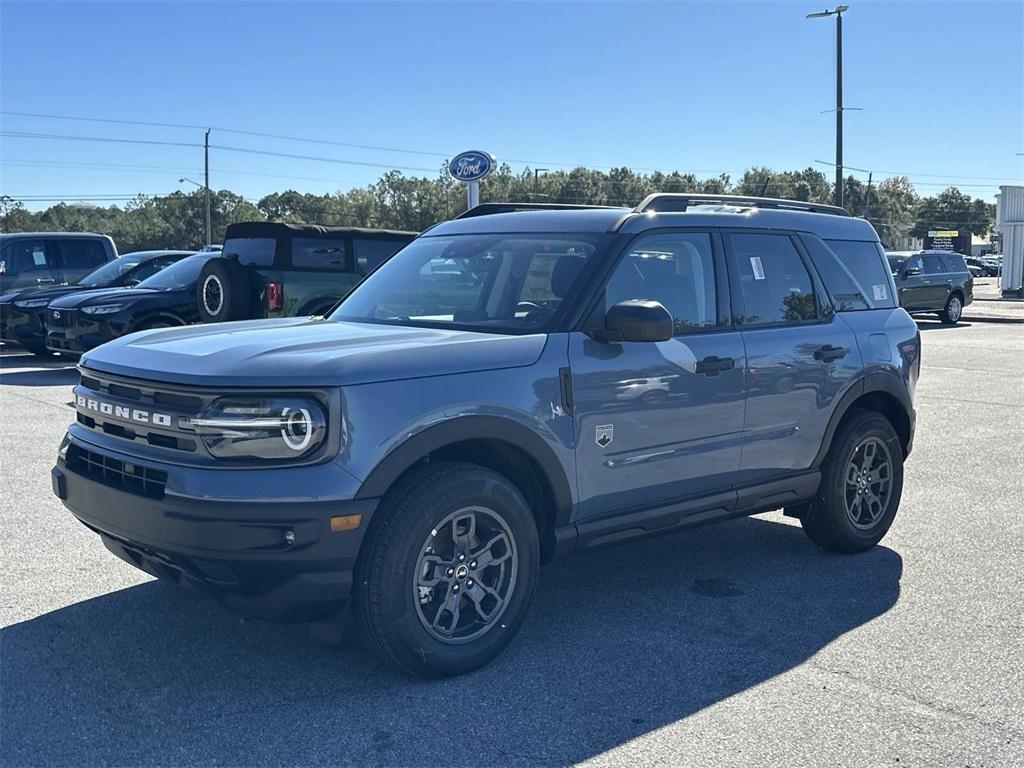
(109, 405)
(62, 318)
(115, 473)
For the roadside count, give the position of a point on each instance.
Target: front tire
(953, 310)
(861, 485)
(447, 570)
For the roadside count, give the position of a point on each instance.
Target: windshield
(177, 276)
(112, 270)
(496, 283)
(895, 262)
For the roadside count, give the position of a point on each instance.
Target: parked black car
(83, 320)
(36, 259)
(932, 281)
(23, 313)
(985, 267)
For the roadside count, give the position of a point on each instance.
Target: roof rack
(679, 201)
(486, 209)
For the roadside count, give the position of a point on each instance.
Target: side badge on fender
(604, 434)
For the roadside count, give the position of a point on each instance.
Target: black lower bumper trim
(277, 561)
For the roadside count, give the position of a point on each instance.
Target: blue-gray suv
(517, 385)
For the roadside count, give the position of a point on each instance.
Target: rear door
(937, 281)
(80, 256)
(318, 272)
(660, 422)
(800, 354)
(371, 252)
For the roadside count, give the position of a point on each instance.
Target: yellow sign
(944, 233)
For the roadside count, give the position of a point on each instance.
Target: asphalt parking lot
(737, 644)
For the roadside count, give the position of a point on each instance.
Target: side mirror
(911, 271)
(636, 320)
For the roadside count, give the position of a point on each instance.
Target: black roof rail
(665, 202)
(486, 209)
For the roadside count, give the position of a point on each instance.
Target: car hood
(307, 351)
(45, 293)
(82, 298)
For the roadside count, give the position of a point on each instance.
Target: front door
(660, 422)
(914, 287)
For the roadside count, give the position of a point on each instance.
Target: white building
(1010, 224)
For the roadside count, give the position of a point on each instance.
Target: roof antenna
(764, 187)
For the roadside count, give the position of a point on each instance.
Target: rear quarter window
(251, 251)
(866, 264)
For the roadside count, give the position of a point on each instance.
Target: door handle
(712, 365)
(827, 353)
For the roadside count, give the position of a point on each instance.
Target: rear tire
(447, 570)
(861, 485)
(953, 311)
(223, 291)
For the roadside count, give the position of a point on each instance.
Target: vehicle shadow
(619, 642)
(936, 325)
(32, 371)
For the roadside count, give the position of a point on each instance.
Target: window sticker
(755, 264)
(881, 294)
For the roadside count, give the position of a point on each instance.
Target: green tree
(953, 209)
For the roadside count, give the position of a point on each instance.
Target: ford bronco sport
(514, 386)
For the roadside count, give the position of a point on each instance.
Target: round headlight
(273, 428)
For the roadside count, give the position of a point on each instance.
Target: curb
(976, 319)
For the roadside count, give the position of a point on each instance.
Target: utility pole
(867, 197)
(206, 180)
(838, 13)
(536, 180)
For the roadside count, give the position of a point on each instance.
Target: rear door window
(775, 285)
(371, 252)
(933, 264)
(82, 256)
(850, 267)
(956, 263)
(320, 254)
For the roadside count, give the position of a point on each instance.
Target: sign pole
(472, 194)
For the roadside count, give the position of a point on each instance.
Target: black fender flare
(886, 382)
(461, 428)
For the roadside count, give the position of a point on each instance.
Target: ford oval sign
(471, 166)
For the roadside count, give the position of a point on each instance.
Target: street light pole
(206, 163)
(838, 13)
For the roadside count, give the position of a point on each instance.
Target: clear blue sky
(703, 86)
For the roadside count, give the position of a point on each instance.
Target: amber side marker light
(345, 522)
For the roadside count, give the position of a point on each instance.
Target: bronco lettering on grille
(122, 412)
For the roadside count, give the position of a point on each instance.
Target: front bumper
(77, 333)
(22, 326)
(277, 560)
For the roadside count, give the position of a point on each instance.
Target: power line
(60, 136)
(371, 147)
(68, 137)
